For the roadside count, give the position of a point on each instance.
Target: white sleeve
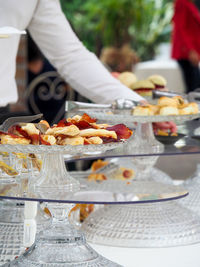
(79, 67)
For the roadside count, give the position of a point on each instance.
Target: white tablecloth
(167, 68)
(185, 256)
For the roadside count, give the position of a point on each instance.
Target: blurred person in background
(186, 41)
(54, 36)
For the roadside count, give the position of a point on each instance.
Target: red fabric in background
(186, 29)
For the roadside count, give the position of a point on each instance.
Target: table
(183, 256)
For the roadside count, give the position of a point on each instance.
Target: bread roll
(191, 108)
(158, 80)
(167, 101)
(168, 110)
(143, 111)
(127, 78)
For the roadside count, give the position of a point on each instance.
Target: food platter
(117, 116)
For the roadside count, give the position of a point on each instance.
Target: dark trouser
(191, 75)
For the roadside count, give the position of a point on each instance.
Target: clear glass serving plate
(119, 116)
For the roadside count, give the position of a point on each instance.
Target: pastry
(74, 141)
(98, 164)
(168, 110)
(179, 100)
(158, 80)
(71, 130)
(191, 108)
(142, 111)
(154, 108)
(98, 132)
(97, 177)
(78, 130)
(124, 174)
(143, 87)
(127, 78)
(13, 139)
(167, 101)
(95, 140)
(48, 139)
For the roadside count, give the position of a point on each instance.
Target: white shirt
(54, 36)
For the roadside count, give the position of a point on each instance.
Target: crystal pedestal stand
(12, 212)
(193, 186)
(60, 244)
(160, 224)
(12, 228)
(144, 142)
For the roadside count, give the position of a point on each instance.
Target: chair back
(47, 94)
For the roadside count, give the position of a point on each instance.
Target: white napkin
(7, 31)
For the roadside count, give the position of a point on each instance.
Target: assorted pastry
(78, 130)
(121, 173)
(166, 106)
(142, 87)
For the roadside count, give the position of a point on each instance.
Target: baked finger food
(158, 80)
(78, 130)
(143, 111)
(127, 78)
(191, 108)
(71, 130)
(167, 101)
(168, 110)
(98, 132)
(143, 87)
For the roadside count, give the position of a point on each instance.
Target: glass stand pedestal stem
(143, 140)
(61, 245)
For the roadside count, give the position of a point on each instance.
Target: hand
(167, 126)
(194, 57)
(143, 103)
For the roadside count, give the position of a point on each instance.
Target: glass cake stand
(157, 224)
(193, 185)
(60, 244)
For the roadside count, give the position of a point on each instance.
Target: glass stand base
(161, 224)
(62, 254)
(143, 140)
(12, 229)
(61, 245)
(192, 202)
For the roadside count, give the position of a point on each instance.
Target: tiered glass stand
(152, 218)
(193, 185)
(60, 244)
